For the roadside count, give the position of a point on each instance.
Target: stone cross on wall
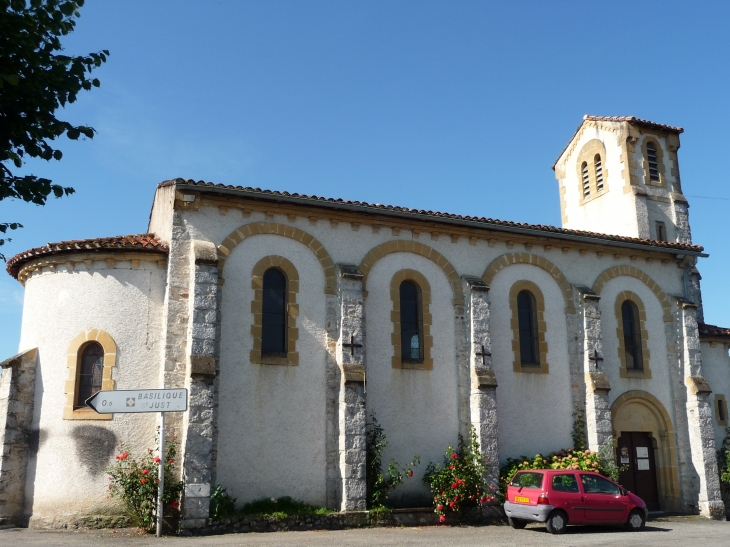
(352, 345)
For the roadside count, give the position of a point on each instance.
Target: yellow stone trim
(424, 293)
(662, 182)
(632, 271)
(273, 228)
(542, 346)
(73, 356)
(650, 409)
(720, 400)
(527, 258)
(69, 259)
(407, 246)
(292, 308)
(624, 371)
(587, 154)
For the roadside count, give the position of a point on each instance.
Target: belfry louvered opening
(586, 179)
(653, 163)
(599, 172)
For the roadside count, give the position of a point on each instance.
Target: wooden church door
(636, 455)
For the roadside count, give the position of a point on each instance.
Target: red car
(562, 497)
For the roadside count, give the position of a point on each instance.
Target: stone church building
(291, 318)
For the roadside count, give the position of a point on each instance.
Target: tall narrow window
(599, 172)
(653, 163)
(411, 322)
(586, 179)
(527, 317)
(90, 374)
(273, 335)
(632, 336)
(661, 231)
(721, 410)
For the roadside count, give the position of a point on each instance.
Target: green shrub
(379, 484)
(462, 481)
(222, 504)
(723, 464)
(281, 508)
(135, 481)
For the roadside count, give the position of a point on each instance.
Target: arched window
(653, 163)
(274, 317)
(411, 322)
(527, 317)
(599, 172)
(90, 372)
(632, 336)
(586, 179)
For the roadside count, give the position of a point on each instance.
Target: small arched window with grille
(586, 179)
(411, 322)
(90, 372)
(653, 163)
(632, 336)
(274, 317)
(527, 317)
(598, 165)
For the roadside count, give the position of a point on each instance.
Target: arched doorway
(644, 434)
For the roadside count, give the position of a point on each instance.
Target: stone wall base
(343, 521)
(78, 521)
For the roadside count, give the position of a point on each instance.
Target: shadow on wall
(94, 447)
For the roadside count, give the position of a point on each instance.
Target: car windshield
(593, 484)
(527, 479)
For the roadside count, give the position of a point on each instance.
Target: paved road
(664, 533)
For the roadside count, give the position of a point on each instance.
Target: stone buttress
(699, 415)
(483, 396)
(199, 424)
(17, 394)
(352, 410)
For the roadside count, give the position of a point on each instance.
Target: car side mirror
(623, 491)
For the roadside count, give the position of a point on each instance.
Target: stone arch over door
(640, 411)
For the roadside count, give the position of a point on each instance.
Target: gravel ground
(663, 532)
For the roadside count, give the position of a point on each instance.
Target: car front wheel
(557, 522)
(517, 524)
(636, 520)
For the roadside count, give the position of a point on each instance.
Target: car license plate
(521, 499)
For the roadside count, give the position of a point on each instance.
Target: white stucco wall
(660, 383)
(272, 418)
(67, 475)
(418, 409)
(534, 410)
(716, 370)
(611, 213)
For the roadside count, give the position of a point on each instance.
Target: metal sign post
(144, 400)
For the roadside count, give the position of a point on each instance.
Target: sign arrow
(140, 400)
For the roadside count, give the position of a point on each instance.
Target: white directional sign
(139, 400)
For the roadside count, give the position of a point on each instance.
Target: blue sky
(451, 106)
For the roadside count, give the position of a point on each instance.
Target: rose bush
(135, 482)
(462, 481)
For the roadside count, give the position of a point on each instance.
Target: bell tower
(620, 175)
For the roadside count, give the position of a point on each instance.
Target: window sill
(69, 413)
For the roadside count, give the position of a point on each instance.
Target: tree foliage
(35, 80)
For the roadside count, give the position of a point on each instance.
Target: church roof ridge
(634, 120)
(136, 242)
(439, 216)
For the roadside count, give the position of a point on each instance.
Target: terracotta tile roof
(140, 242)
(712, 330)
(488, 223)
(634, 120)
